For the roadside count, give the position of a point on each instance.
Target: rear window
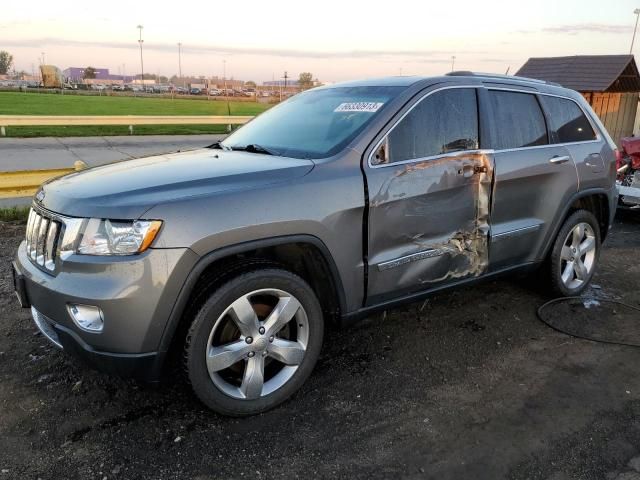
(568, 121)
(519, 120)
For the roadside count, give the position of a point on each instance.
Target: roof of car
(406, 81)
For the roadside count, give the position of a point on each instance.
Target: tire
(244, 353)
(574, 256)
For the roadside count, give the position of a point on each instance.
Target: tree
(89, 72)
(6, 60)
(305, 81)
(250, 84)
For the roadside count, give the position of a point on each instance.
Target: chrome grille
(42, 239)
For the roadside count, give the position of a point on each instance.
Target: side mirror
(382, 154)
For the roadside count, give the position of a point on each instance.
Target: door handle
(467, 170)
(557, 159)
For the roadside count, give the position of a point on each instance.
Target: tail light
(619, 157)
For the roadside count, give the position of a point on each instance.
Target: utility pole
(43, 60)
(633, 39)
(180, 62)
(224, 77)
(285, 84)
(453, 61)
(140, 41)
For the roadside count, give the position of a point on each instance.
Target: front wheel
(575, 254)
(254, 342)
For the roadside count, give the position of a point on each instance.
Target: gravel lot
(469, 385)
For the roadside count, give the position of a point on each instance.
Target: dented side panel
(428, 222)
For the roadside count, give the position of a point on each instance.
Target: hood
(125, 190)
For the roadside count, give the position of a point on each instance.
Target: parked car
(214, 92)
(195, 91)
(344, 200)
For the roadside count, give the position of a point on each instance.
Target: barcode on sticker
(359, 107)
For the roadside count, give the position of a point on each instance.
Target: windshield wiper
(254, 148)
(218, 146)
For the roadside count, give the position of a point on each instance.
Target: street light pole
(224, 77)
(180, 62)
(633, 39)
(140, 41)
(43, 60)
(453, 61)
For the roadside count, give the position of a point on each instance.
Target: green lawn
(15, 103)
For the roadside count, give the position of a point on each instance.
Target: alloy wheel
(257, 344)
(578, 256)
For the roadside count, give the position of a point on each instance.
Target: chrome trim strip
(413, 257)
(488, 151)
(461, 153)
(516, 231)
(44, 325)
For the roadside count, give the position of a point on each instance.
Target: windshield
(314, 124)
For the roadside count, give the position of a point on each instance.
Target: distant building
(610, 83)
(76, 75)
(281, 83)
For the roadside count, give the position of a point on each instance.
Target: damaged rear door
(429, 189)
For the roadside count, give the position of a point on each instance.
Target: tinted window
(443, 122)
(567, 120)
(519, 121)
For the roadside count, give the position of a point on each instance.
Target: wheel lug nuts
(261, 330)
(271, 338)
(248, 339)
(251, 354)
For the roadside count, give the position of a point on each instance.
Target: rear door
(533, 178)
(429, 188)
(571, 127)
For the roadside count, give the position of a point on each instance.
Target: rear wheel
(254, 342)
(575, 254)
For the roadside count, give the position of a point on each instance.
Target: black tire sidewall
(557, 285)
(206, 317)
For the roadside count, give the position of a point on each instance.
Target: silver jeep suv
(339, 202)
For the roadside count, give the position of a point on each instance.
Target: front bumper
(143, 366)
(136, 295)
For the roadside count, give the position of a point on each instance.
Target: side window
(446, 121)
(519, 121)
(567, 120)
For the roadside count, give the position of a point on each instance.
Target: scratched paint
(441, 204)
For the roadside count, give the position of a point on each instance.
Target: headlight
(109, 237)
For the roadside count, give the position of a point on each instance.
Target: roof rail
(466, 73)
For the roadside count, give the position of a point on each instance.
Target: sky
(333, 39)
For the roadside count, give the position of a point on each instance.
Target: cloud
(589, 28)
(230, 50)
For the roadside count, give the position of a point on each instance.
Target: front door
(429, 197)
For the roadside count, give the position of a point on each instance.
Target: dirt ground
(469, 385)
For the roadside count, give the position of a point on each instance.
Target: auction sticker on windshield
(359, 107)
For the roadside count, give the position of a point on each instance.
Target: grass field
(14, 103)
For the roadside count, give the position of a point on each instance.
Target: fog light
(87, 317)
